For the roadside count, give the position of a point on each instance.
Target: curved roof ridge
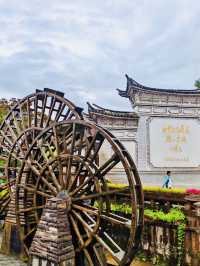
(132, 83)
(136, 86)
(94, 108)
(106, 109)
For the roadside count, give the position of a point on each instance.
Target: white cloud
(86, 47)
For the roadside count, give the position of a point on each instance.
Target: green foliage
(3, 193)
(124, 208)
(3, 112)
(197, 83)
(114, 185)
(159, 189)
(173, 216)
(2, 163)
(181, 240)
(151, 188)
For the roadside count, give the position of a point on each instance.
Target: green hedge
(150, 188)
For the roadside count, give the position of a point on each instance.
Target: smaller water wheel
(66, 158)
(21, 126)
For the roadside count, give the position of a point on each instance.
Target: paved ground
(9, 261)
(12, 261)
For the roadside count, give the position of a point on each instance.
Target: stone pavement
(12, 261)
(8, 260)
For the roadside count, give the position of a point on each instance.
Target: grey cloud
(85, 47)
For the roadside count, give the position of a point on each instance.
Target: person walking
(167, 180)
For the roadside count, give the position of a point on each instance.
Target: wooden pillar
(11, 241)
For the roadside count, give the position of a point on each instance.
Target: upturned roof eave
(95, 109)
(134, 87)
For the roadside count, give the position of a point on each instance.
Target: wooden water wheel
(67, 157)
(23, 123)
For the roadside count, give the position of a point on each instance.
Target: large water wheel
(22, 124)
(65, 157)
(48, 149)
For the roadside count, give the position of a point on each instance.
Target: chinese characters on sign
(176, 136)
(173, 142)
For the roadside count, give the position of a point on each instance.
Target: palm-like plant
(197, 83)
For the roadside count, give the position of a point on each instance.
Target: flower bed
(159, 189)
(193, 191)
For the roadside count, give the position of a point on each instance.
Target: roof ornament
(90, 107)
(131, 82)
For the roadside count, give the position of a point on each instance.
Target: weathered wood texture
(53, 240)
(161, 237)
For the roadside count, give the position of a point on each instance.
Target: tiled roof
(95, 109)
(135, 86)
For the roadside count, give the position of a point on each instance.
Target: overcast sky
(84, 48)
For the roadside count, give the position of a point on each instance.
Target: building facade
(162, 133)
(122, 125)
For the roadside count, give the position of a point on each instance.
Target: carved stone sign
(173, 142)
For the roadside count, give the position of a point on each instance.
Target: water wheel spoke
(116, 219)
(7, 138)
(87, 227)
(66, 141)
(71, 152)
(37, 173)
(100, 256)
(30, 209)
(18, 130)
(30, 232)
(94, 146)
(88, 154)
(70, 116)
(60, 110)
(80, 144)
(53, 101)
(87, 190)
(66, 114)
(117, 256)
(21, 123)
(90, 218)
(88, 257)
(4, 205)
(28, 112)
(56, 144)
(108, 165)
(27, 142)
(35, 110)
(85, 209)
(77, 232)
(81, 186)
(99, 195)
(44, 101)
(34, 190)
(12, 132)
(113, 249)
(53, 177)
